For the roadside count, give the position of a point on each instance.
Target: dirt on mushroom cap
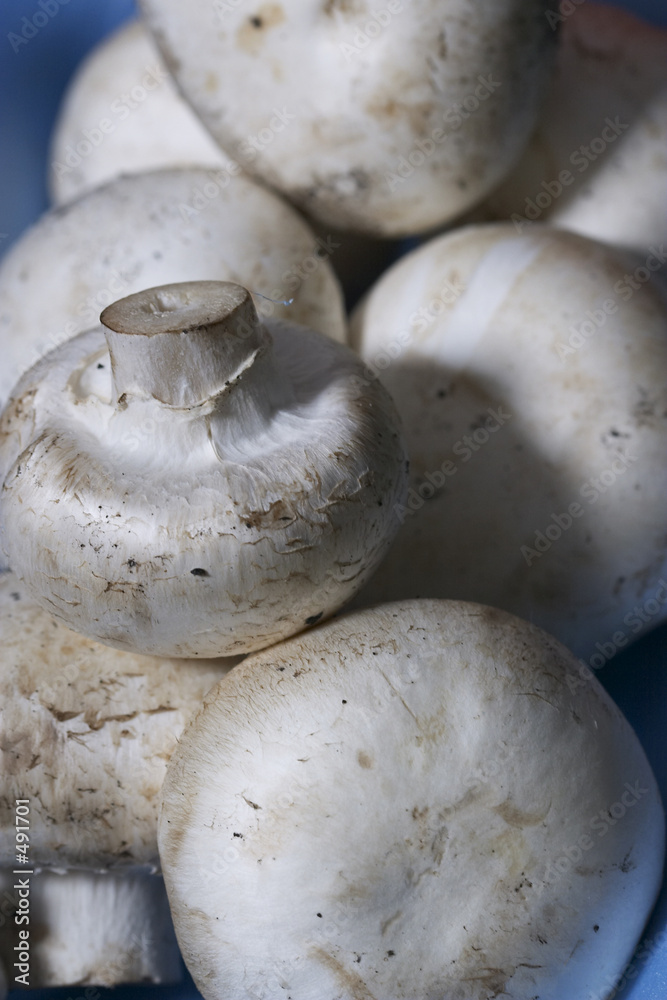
(391, 806)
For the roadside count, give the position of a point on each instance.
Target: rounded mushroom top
(384, 121)
(121, 114)
(199, 484)
(596, 162)
(85, 735)
(410, 801)
(530, 373)
(152, 229)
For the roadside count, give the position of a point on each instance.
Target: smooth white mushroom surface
(597, 162)
(85, 735)
(410, 802)
(530, 372)
(388, 121)
(152, 229)
(123, 114)
(189, 482)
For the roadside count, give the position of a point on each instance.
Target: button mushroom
(388, 122)
(85, 735)
(152, 229)
(410, 802)
(123, 114)
(596, 163)
(529, 370)
(226, 487)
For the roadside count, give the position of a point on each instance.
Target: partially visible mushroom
(89, 928)
(597, 162)
(189, 482)
(152, 229)
(410, 802)
(123, 114)
(388, 121)
(85, 735)
(156, 128)
(530, 371)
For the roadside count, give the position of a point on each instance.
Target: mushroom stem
(98, 929)
(183, 344)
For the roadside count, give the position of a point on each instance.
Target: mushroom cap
(389, 122)
(85, 735)
(410, 801)
(151, 229)
(605, 125)
(203, 512)
(531, 379)
(122, 114)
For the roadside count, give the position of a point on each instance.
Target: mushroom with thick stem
(529, 370)
(85, 735)
(227, 483)
(410, 802)
(596, 163)
(151, 229)
(388, 122)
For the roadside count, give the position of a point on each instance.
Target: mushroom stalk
(98, 929)
(184, 345)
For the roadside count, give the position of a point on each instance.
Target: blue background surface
(32, 80)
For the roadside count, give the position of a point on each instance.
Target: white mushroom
(156, 128)
(85, 735)
(123, 114)
(410, 802)
(152, 229)
(529, 371)
(388, 121)
(597, 162)
(221, 488)
(89, 928)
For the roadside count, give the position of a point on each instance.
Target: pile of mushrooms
(596, 164)
(424, 797)
(86, 733)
